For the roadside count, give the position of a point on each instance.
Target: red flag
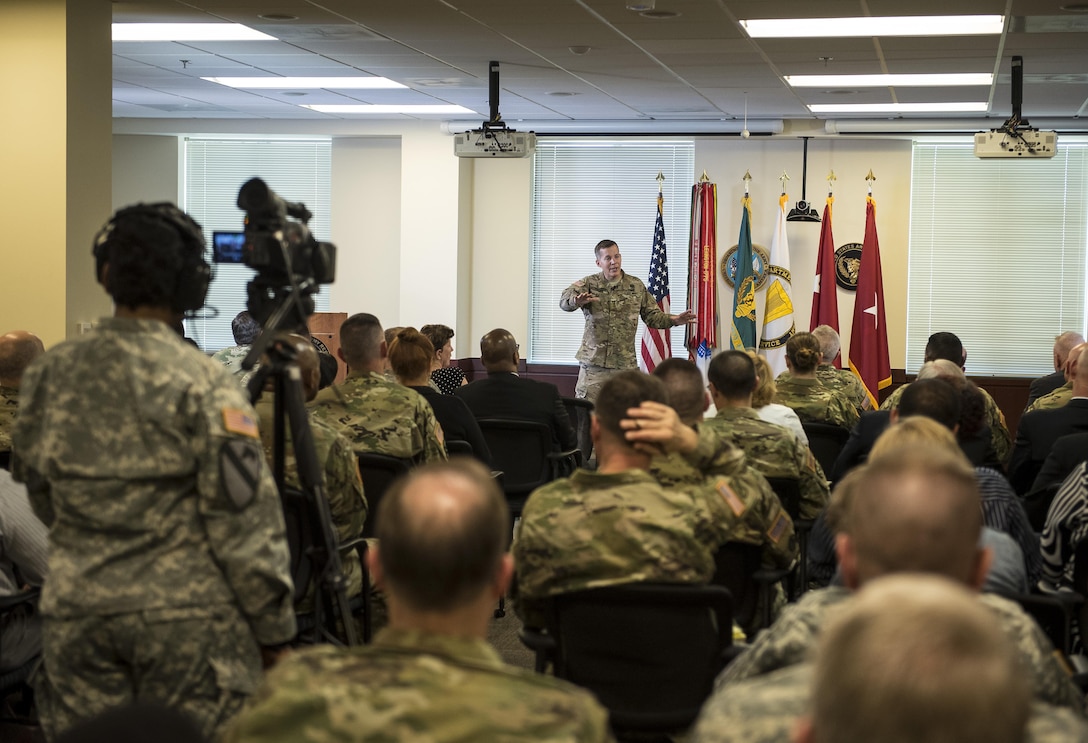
(825, 302)
(869, 334)
(702, 335)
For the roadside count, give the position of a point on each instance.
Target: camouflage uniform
(815, 403)
(790, 639)
(232, 359)
(1056, 399)
(840, 380)
(343, 486)
(765, 709)
(995, 419)
(608, 343)
(410, 687)
(169, 565)
(9, 406)
(754, 514)
(775, 452)
(381, 418)
(594, 530)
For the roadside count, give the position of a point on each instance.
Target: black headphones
(194, 274)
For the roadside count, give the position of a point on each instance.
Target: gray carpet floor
(502, 633)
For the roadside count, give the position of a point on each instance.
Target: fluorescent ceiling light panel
(914, 25)
(890, 108)
(875, 81)
(343, 83)
(366, 108)
(187, 32)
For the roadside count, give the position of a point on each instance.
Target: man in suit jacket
(1067, 452)
(503, 394)
(1063, 344)
(1040, 429)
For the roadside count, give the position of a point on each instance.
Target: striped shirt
(1066, 527)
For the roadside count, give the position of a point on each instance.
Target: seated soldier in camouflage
(615, 525)
(430, 675)
(771, 449)
(1059, 397)
(911, 510)
(840, 380)
(376, 415)
(811, 399)
(912, 658)
(343, 486)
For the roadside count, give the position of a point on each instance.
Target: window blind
(584, 191)
(997, 255)
(214, 170)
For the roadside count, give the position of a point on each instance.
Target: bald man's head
(918, 510)
(17, 350)
(499, 351)
(1077, 370)
(1063, 344)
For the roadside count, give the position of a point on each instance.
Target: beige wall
(144, 169)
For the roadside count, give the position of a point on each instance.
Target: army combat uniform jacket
(611, 321)
(1051, 400)
(814, 402)
(411, 686)
(9, 406)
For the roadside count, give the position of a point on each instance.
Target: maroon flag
(702, 335)
(869, 334)
(825, 301)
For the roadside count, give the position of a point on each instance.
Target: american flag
(656, 345)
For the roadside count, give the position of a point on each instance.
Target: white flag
(778, 309)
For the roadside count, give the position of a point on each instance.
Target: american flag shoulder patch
(778, 528)
(730, 497)
(240, 422)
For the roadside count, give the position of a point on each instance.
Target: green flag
(742, 330)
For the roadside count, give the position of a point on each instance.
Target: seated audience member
(912, 510)
(410, 357)
(948, 347)
(169, 576)
(1067, 452)
(245, 329)
(376, 415)
(811, 399)
(329, 367)
(1062, 395)
(23, 561)
(340, 473)
(430, 675)
(1063, 344)
(842, 379)
(615, 525)
(1039, 429)
(763, 400)
(1065, 530)
(504, 394)
(769, 448)
(445, 376)
(914, 659)
(17, 350)
(390, 334)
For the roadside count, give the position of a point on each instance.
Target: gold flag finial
(660, 182)
(782, 179)
(831, 181)
(869, 179)
(704, 178)
(747, 181)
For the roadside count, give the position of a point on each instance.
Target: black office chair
(14, 682)
(738, 569)
(522, 450)
(648, 652)
(826, 441)
(788, 491)
(457, 447)
(5, 459)
(378, 472)
(579, 410)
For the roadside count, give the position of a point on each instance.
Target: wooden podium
(325, 326)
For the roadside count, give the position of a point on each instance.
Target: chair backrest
(5, 459)
(788, 490)
(378, 472)
(734, 565)
(648, 652)
(458, 447)
(298, 518)
(520, 450)
(826, 441)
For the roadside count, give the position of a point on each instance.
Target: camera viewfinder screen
(227, 247)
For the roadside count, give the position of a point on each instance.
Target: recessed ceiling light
(561, 93)
(1074, 7)
(873, 81)
(920, 25)
(367, 108)
(187, 32)
(332, 83)
(579, 49)
(277, 17)
(659, 15)
(888, 108)
(294, 93)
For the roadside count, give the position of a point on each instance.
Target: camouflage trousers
(202, 661)
(590, 380)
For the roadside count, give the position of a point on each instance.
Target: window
(585, 191)
(214, 170)
(997, 254)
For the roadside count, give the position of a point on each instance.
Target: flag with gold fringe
(869, 333)
(825, 300)
(778, 324)
(742, 321)
(702, 335)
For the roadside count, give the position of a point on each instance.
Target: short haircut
(603, 245)
(945, 345)
(916, 509)
(917, 658)
(943, 369)
(361, 339)
(933, 398)
(804, 352)
(330, 367)
(972, 409)
(442, 531)
(438, 335)
(733, 374)
(497, 347)
(766, 389)
(913, 431)
(391, 333)
(411, 354)
(830, 343)
(17, 351)
(245, 328)
(622, 391)
(684, 385)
